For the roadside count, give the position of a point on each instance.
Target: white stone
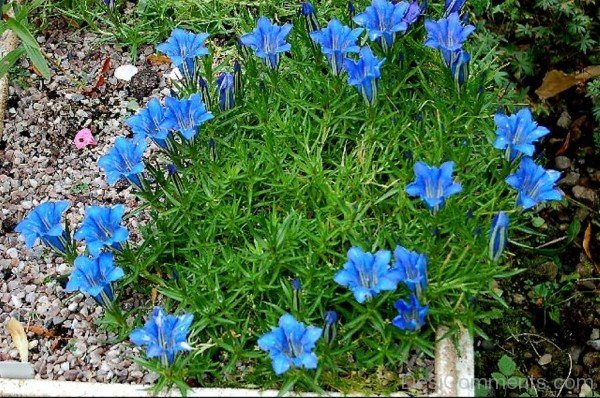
(12, 252)
(126, 72)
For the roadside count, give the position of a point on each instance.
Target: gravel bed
(39, 162)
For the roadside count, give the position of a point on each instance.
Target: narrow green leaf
(25, 10)
(22, 32)
(9, 60)
(38, 60)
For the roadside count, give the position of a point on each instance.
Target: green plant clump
(252, 215)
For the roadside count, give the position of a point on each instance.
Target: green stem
(114, 310)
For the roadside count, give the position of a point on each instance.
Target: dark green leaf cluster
(541, 32)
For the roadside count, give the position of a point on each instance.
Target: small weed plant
(533, 34)
(323, 199)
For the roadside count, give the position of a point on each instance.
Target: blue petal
(291, 326)
(309, 360)
(269, 341)
(281, 364)
(140, 337)
(362, 294)
(311, 336)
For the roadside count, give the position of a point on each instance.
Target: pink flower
(84, 138)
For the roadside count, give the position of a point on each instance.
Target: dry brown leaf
(40, 331)
(156, 59)
(565, 145)
(36, 70)
(100, 82)
(19, 338)
(71, 22)
(105, 66)
(588, 73)
(587, 236)
(153, 294)
(555, 81)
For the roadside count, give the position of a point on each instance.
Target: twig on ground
(558, 394)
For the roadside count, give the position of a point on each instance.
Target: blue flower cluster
(448, 36)
(291, 344)
(367, 275)
(101, 229)
(382, 20)
(516, 135)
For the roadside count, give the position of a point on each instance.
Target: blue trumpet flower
(330, 331)
(433, 185)
(459, 66)
(185, 115)
(310, 16)
(268, 41)
(147, 122)
(351, 13)
(44, 222)
(414, 11)
(238, 85)
(296, 284)
(291, 345)
(498, 235)
(188, 70)
(517, 133)
(183, 45)
(102, 228)
(447, 35)
(336, 41)
(124, 160)
(171, 170)
(94, 276)
(367, 275)
(534, 183)
(363, 74)
(412, 267)
(226, 85)
(453, 6)
(331, 317)
(383, 19)
(204, 92)
(163, 335)
(411, 314)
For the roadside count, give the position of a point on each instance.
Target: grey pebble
(562, 162)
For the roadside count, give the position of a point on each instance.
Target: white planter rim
(454, 374)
